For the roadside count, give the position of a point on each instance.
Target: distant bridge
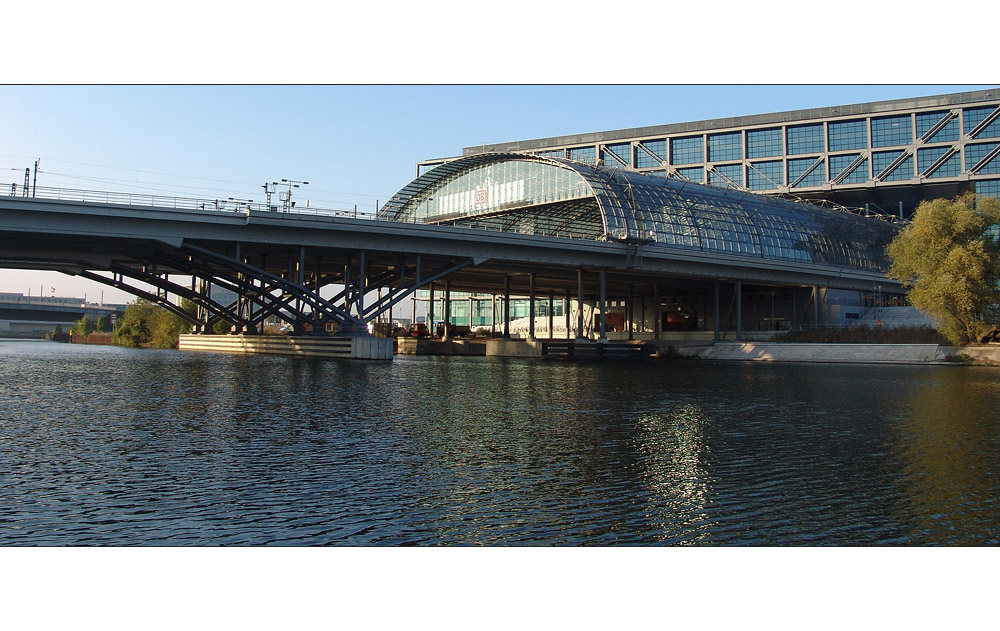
(33, 316)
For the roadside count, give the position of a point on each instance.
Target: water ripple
(107, 446)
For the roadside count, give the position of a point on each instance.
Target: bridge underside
(314, 272)
(313, 287)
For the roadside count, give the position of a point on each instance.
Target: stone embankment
(836, 353)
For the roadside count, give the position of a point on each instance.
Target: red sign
(481, 196)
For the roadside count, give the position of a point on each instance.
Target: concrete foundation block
(513, 348)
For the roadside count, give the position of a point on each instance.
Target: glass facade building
(887, 156)
(561, 197)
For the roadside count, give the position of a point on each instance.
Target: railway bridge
(510, 224)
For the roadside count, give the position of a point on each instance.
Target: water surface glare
(113, 446)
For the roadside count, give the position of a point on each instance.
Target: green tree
(133, 328)
(147, 324)
(103, 324)
(166, 328)
(84, 326)
(949, 259)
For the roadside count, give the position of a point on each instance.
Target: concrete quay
(831, 353)
(356, 347)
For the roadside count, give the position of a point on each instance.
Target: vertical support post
(604, 305)
(447, 311)
(816, 303)
(316, 323)
(430, 311)
(552, 299)
(579, 303)
(531, 306)
(656, 312)
(567, 303)
(739, 310)
(629, 311)
(362, 284)
(715, 312)
(506, 307)
(493, 317)
(348, 289)
(413, 296)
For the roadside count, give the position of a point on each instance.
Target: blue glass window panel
(658, 147)
(927, 157)
(975, 115)
(726, 175)
(799, 166)
(857, 175)
(424, 168)
(695, 174)
(891, 131)
(722, 147)
(766, 176)
(622, 150)
(988, 188)
(975, 153)
(554, 153)
(583, 154)
(805, 139)
(764, 143)
(687, 150)
(881, 161)
(848, 135)
(948, 133)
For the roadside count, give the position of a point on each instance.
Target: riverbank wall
(834, 353)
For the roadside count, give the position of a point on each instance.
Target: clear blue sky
(354, 144)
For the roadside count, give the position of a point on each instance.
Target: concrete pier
(425, 346)
(356, 347)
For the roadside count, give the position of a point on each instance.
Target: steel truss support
(118, 283)
(200, 299)
(261, 294)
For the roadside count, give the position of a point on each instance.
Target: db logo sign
(481, 197)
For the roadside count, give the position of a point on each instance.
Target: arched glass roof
(560, 197)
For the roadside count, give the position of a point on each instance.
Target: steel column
(604, 305)
(506, 307)
(656, 312)
(531, 306)
(715, 313)
(552, 298)
(739, 310)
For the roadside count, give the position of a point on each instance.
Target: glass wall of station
(484, 310)
(926, 145)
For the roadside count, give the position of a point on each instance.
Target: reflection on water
(122, 446)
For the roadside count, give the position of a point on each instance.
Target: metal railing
(170, 202)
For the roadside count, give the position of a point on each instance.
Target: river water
(115, 446)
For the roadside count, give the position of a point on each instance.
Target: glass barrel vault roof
(515, 192)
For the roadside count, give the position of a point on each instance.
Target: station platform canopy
(562, 198)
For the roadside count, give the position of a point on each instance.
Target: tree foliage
(147, 324)
(84, 326)
(103, 324)
(949, 259)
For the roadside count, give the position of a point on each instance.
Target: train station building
(775, 246)
(876, 161)
(886, 155)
